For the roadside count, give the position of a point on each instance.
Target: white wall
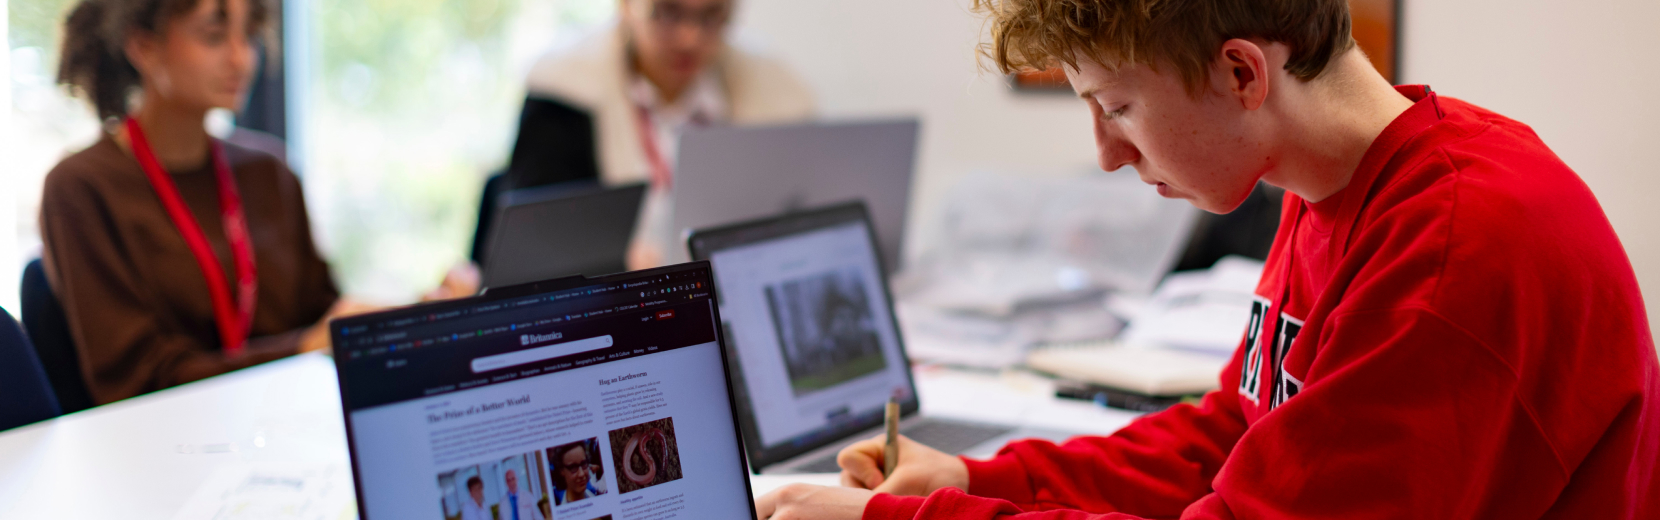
(1583, 75)
(916, 57)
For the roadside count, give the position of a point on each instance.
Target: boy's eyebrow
(1110, 79)
(1101, 83)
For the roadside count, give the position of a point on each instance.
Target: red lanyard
(661, 175)
(234, 320)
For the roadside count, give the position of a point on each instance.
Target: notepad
(1148, 371)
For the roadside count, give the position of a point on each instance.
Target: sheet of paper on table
(1020, 260)
(1001, 241)
(1200, 311)
(273, 491)
(1146, 371)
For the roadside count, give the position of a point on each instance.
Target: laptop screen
(808, 317)
(577, 398)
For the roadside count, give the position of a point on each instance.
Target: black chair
(494, 187)
(555, 145)
(1248, 231)
(48, 329)
(28, 395)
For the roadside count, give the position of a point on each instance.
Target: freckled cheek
(1181, 153)
(1165, 146)
(1193, 139)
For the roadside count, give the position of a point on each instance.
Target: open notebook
(1143, 370)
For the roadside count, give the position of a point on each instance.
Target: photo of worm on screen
(645, 454)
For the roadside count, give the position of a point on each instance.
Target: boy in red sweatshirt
(1447, 326)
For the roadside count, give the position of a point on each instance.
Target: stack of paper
(1147, 371)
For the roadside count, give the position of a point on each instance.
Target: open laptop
(615, 387)
(814, 344)
(561, 230)
(731, 174)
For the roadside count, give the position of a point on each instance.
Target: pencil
(890, 447)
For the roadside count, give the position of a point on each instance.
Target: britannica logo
(527, 339)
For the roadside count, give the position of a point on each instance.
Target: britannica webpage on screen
(606, 401)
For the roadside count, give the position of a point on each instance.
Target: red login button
(663, 315)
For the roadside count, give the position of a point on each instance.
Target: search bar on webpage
(500, 361)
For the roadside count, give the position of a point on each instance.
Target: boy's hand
(921, 469)
(461, 281)
(316, 337)
(809, 502)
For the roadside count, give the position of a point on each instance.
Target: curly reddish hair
(1182, 34)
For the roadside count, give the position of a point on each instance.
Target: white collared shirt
(703, 103)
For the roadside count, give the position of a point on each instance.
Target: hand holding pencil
(918, 470)
(890, 439)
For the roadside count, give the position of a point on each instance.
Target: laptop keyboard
(952, 437)
(825, 464)
(947, 436)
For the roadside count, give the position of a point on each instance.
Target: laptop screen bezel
(703, 244)
(519, 291)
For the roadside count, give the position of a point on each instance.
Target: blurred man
(612, 106)
(1447, 325)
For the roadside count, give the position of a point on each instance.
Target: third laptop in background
(737, 173)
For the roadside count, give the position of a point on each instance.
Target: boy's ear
(1240, 71)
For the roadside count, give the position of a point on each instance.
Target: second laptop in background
(561, 230)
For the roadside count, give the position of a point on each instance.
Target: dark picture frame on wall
(1375, 25)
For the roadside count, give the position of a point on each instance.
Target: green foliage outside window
(410, 104)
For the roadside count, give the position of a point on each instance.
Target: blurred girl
(176, 256)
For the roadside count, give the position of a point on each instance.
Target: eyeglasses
(573, 468)
(668, 15)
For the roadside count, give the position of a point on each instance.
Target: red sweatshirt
(1458, 333)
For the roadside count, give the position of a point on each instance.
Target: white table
(144, 458)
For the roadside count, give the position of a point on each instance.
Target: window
(41, 125)
(398, 110)
(404, 108)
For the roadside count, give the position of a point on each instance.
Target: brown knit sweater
(137, 303)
